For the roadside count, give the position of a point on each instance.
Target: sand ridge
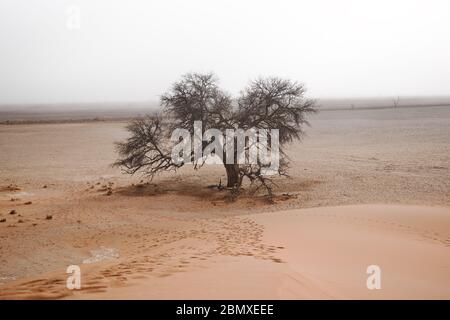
(289, 260)
(368, 184)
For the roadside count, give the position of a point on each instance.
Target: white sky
(133, 50)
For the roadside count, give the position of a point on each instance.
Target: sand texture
(367, 187)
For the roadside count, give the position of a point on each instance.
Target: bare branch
(267, 103)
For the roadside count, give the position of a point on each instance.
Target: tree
(267, 103)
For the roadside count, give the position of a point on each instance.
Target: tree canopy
(265, 104)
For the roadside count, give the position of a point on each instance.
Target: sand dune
(324, 253)
(294, 254)
(176, 238)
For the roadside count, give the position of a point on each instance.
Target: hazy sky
(133, 50)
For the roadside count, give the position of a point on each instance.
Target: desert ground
(367, 187)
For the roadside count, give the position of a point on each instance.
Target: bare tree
(267, 103)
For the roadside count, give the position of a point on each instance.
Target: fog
(104, 51)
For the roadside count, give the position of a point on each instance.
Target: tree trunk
(233, 179)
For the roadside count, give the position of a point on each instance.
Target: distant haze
(133, 50)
